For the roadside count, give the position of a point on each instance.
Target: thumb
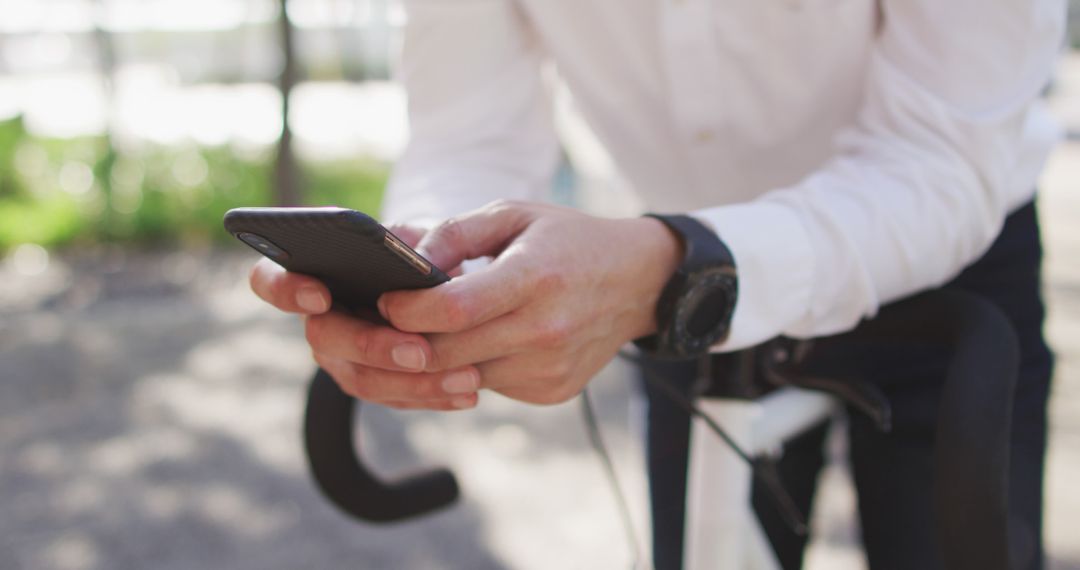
(479, 233)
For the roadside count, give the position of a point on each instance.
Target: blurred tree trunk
(286, 170)
(107, 64)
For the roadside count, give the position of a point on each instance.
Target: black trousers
(892, 471)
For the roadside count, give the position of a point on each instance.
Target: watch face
(709, 311)
(703, 311)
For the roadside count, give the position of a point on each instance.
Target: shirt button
(704, 136)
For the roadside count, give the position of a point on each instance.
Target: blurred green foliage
(83, 191)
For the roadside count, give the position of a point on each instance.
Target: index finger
(290, 292)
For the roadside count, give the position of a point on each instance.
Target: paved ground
(149, 418)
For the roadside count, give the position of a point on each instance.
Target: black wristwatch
(695, 308)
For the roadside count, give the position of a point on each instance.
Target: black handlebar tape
(343, 478)
(971, 462)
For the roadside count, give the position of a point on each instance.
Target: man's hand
(564, 292)
(371, 362)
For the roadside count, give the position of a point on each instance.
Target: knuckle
(365, 346)
(552, 334)
(450, 231)
(502, 205)
(428, 389)
(512, 211)
(550, 281)
(558, 371)
(459, 311)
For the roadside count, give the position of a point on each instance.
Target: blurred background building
(149, 406)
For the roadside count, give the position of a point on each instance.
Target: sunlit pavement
(149, 418)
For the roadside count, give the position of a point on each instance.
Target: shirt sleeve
(479, 112)
(920, 184)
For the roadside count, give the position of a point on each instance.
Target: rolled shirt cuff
(775, 264)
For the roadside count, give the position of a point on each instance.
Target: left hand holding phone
(372, 362)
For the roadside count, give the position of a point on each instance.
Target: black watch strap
(696, 237)
(694, 310)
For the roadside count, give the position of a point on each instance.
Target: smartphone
(352, 254)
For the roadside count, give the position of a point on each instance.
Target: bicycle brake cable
(613, 478)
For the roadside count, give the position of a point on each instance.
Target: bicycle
(802, 388)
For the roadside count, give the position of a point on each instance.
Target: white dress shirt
(849, 152)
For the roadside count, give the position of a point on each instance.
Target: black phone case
(344, 249)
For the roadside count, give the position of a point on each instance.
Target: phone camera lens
(263, 245)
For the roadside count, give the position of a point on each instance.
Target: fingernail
(463, 403)
(381, 305)
(311, 300)
(409, 356)
(464, 382)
